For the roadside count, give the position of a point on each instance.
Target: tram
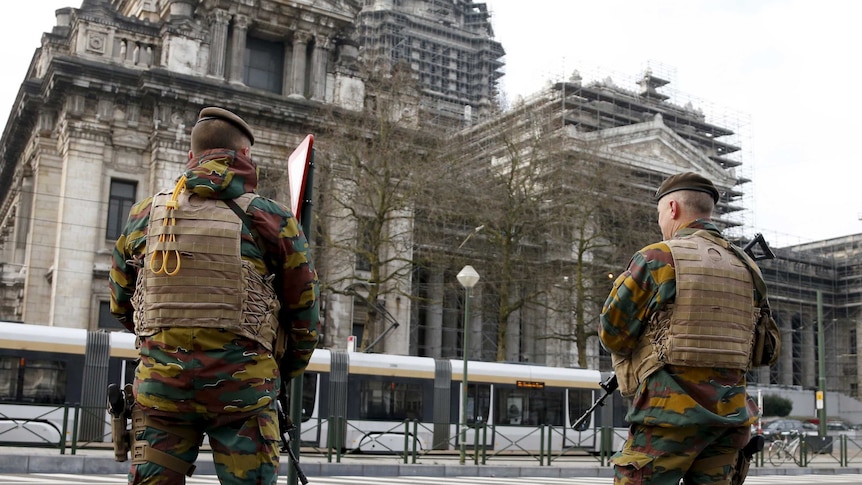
(375, 399)
(356, 402)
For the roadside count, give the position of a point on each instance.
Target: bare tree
(555, 213)
(500, 188)
(600, 223)
(373, 164)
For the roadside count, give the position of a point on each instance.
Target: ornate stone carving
(96, 42)
(301, 37)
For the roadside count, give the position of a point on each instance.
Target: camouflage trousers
(662, 456)
(245, 447)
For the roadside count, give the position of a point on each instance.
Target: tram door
(442, 394)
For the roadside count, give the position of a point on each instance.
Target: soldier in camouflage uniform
(219, 287)
(679, 324)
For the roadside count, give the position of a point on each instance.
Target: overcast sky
(784, 73)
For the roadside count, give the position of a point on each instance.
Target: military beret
(687, 181)
(214, 113)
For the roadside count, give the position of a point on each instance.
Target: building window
(119, 203)
(852, 341)
(264, 65)
(360, 312)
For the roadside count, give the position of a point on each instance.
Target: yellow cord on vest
(171, 205)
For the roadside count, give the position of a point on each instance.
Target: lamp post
(468, 277)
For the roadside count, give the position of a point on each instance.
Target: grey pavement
(100, 461)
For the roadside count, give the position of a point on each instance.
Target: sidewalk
(101, 462)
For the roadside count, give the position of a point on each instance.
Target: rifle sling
(258, 241)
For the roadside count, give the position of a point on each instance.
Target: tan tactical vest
(714, 313)
(194, 275)
(711, 322)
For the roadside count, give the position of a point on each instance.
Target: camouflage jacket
(224, 174)
(672, 396)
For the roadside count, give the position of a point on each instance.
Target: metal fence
(60, 426)
(64, 426)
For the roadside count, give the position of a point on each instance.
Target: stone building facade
(449, 46)
(104, 115)
(817, 287)
(103, 119)
(630, 134)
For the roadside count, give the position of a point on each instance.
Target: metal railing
(63, 422)
(840, 450)
(488, 443)
(59, 426)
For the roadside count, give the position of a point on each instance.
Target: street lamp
(468, 277)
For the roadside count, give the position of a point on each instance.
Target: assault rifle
(287, 428)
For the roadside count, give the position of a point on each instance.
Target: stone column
(319, 59)
(434, 332)
(513, 337)
(23, 216)
(300, 42)
(809, 350)
(530, 351)
(786, 358)
(287, 74)
(237, 48)
(218, 42)
(858, 380)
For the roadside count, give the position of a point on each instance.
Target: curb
(95, 465)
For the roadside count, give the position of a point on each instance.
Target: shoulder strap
(241, 212)
(246, 221)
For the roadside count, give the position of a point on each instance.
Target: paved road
(67, 479)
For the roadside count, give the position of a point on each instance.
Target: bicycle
(786, 447)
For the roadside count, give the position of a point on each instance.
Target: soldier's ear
(673, 208)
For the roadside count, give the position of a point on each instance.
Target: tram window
(529, 407)
(129, 366)
(44, 381)
(8, 378)
(390, 400)
(579, 401)
(309, 394)
(482, 405)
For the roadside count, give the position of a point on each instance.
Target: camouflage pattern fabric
(662, 456)
(207, 379)
(244, 447)
(204, 371)
(710, 400)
